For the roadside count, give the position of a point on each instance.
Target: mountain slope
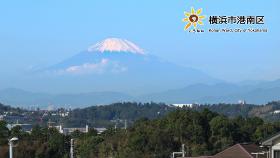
(120, 65)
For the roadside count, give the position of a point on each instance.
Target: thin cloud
(104, 66)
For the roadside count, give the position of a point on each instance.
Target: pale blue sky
(36, 33)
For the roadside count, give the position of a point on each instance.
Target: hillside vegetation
(203, 133)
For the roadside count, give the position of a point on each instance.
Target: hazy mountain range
(118, 70)
(199, 93)
(220, 93)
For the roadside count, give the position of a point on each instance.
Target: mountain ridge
(196, 93)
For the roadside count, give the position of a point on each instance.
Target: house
(240, 151)
(68, 131)
(273, 144)
(24, 127)
(243, 151)
(183, 105)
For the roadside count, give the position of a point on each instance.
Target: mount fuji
(120, 65)
(117, 70)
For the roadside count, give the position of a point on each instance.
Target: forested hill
(268, 112)
(118, 113)
(98, 115)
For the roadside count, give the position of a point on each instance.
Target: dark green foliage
(4, 133)
(203, 133)
(40, 143)
(101, 116)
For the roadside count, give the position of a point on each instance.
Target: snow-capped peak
(116, 45)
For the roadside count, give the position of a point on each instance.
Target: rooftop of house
(239, 151)
(268, 141)
(242, 151)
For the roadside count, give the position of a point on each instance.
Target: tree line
(203, 132)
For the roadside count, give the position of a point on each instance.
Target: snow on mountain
(116, 45)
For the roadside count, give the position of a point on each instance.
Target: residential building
(240, 151)
(273, 144)
(243, 151)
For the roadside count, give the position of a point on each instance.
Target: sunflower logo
(193, 18)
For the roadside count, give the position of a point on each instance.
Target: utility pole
(11, 145)
(183, 150)
(116, 127)
(125, 124)
(87, 129)
(72, 148)
(11, 149)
